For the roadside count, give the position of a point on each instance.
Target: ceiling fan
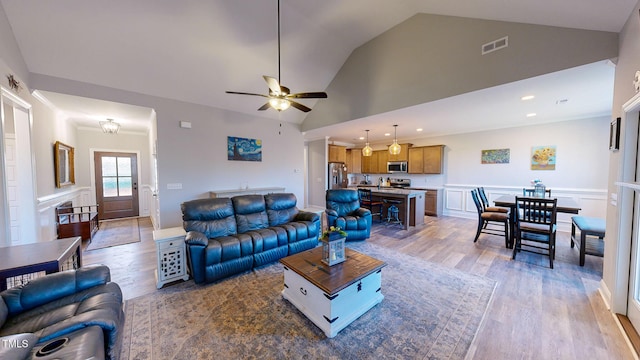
(280, 97)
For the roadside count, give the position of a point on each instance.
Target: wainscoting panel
(454, 199)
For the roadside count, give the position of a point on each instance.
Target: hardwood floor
(535, 313)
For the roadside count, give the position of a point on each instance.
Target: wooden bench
(77, 220)
(591, 228)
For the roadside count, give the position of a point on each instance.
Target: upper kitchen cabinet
(432, 159)
(404, 153)
(416, 164)
(337, 153)
(370, 163)
(383, 157)
(354, 161)
(426, 159)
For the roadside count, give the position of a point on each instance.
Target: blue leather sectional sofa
(226, 236)
(75, 314)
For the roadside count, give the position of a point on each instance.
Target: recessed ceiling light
(527, 97)
(361, 138)
(387, 134)
(531, 114)
(419, 129)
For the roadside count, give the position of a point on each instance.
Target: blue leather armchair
(344, 211)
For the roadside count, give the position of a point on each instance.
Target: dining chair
(489, 222)
(536, 226)
(366, 201)
(486, 205)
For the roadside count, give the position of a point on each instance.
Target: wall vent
(495, 45)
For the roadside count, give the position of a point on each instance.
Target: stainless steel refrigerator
(338, 175)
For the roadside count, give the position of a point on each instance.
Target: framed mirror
(63, 159)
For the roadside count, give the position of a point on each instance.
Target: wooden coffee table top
(332, 279)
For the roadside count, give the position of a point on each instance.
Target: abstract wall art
(495, 156)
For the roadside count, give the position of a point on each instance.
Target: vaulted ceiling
(195, 50)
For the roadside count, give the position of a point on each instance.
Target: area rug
(428, 312)
(114, 233)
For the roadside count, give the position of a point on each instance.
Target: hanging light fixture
(367, 150)
(109, 126)
(394, 149)
(279, 104)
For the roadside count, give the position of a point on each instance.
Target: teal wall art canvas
(243, 149)
(543, 158)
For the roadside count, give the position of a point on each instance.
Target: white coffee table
(332, 297)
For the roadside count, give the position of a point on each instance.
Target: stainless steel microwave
(396, 167)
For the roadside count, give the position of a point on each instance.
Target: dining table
(564, 205)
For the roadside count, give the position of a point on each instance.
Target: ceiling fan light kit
(280, 98)
(367, 150)
(279, 104)
(394, 149)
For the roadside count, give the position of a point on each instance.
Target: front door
(116, 184)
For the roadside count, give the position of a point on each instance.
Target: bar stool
(393, 211)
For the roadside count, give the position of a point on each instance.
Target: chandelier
(109, 126)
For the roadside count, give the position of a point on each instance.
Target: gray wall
(431, 57)
(197, 157)
(628, 64)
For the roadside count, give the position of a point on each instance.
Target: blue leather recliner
(81, 305)
(344, 211)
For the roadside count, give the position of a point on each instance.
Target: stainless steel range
(399, 183)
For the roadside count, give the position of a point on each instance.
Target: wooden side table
(21, 263)
(171, 253)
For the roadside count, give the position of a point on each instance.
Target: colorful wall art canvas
(543, 158)
(495, 156)
(243, 149)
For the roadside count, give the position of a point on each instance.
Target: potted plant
(333, 232)
(333, 249)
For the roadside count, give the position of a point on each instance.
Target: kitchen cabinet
(370, 164)
(354, 161)
(426, 159)
(404, 153)
(415, 162)
(337, 153)
(383, 157)
(433, 202)
(432, 159)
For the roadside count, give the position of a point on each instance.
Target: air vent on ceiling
(495, 45)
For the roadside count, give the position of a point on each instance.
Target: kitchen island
(411, 206)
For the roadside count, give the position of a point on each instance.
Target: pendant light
(367, 150)
(394, 149)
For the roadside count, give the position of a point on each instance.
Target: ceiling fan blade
(244, 93)
(274, 86)
(264, 107)
(308, 95)
(299, 106)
